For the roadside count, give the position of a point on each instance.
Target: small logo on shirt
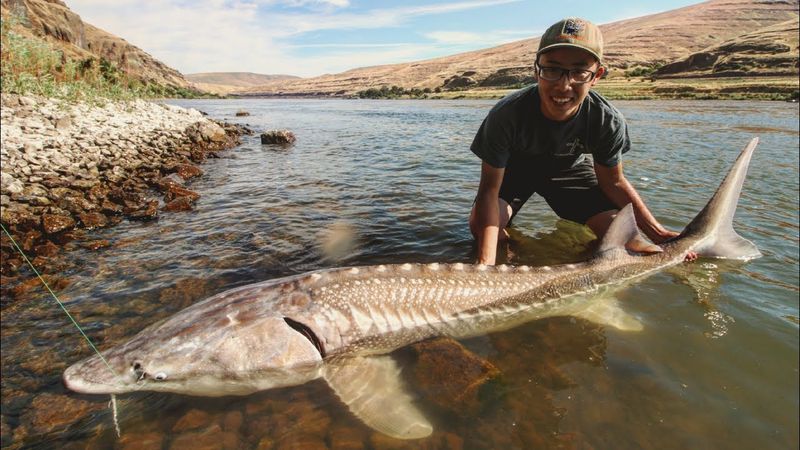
(571, 148)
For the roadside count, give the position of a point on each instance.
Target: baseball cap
(573, 32)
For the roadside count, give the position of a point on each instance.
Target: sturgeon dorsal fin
(713, 226)
(620, 232)
(371, 387)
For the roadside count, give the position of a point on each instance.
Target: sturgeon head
(233, 343)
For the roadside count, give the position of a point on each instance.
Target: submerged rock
(50, 412)
(450, 375)
(188, 171)
(179, 204)
(93, 220)
(283, 137)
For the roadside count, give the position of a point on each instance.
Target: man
(536, 141)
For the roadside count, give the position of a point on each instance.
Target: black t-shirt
(516, 134)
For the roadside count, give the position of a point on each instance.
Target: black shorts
(572, 193)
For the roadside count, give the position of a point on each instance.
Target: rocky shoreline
(72, 167)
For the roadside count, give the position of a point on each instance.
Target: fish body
(340, 324)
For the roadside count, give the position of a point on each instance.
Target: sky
(314, 37)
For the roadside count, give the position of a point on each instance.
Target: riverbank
(645, 88)
(72, 167)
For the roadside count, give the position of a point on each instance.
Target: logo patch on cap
(573, 28)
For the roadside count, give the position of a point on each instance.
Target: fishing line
(113, 398)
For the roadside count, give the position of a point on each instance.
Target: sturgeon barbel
(341, 324)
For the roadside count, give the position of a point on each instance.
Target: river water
(368, 182)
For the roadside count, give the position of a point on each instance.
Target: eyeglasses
(577, 76)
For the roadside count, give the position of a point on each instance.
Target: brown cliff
(53, 21)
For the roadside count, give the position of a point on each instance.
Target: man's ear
(599, 74)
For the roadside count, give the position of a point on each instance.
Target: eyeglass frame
(538, 68)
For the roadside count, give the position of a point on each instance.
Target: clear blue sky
(313, 37)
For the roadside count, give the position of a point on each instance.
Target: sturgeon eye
(160, 376)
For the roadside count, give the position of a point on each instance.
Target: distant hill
(227, 82)
(56, 23)
(236, 78)
(770, 51)
(648, 42)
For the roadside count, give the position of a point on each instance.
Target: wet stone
(5, 432)
(384, 442)
(212, 438)
(47, 249)
(52, 223)
(148, 212)
(188, 171)
(146, 441)
(19, 218)
(346, 438)
(49, 412)
(31, 285)
(302, 442)
(11, 266)
(175, 191)
(281, 137)
(96, 245)
(30, 240)
(232, 421)
(168, 181)
(92, 220)
(450, 375)
(44, 363)
(179, 204)
(110, 207)
(192, 420)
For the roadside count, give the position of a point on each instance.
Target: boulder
(450, 375)
(188, 171)
(179, 204)
(52, 223)
(282, 137)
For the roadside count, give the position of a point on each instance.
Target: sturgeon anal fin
(373, 390)
(605, 310)
(621, 231)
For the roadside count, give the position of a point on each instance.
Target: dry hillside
(650, 41)
(227, 82)
(52, 20)
(770, 51)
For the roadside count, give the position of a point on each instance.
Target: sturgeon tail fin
(713, 226)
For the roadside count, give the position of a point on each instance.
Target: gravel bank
(68, 167)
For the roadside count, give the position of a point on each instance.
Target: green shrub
(31, 65)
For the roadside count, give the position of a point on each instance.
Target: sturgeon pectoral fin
(373, 390)
(605, 310)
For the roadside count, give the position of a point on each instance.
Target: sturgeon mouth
(305, 330)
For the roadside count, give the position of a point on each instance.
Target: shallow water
(367, 182)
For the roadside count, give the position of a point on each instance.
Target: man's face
(561, 99)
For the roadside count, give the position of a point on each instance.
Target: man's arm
(486, 218)
(617, 188)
